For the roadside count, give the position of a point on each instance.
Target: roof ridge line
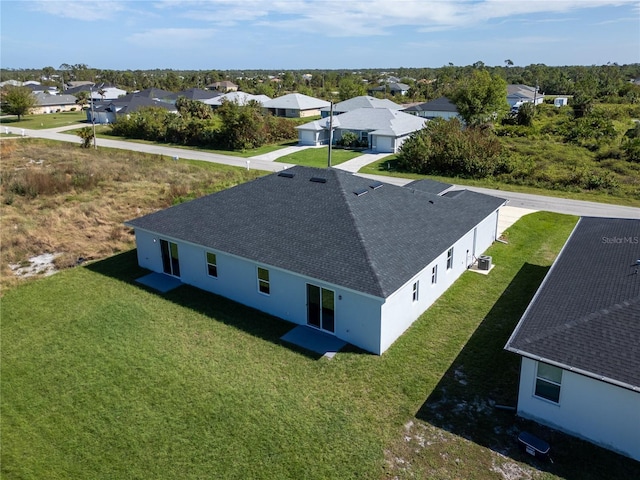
(360, 236)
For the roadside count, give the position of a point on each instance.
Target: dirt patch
(39, 265)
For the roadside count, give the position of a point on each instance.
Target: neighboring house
(385, 130)
(241, 98)
(108, 111)
(195, 94)
(439, 108)
(351, 256)
(394, 88)
(295, 105)
(47, 103)
(359, 102)
(98, 91)
(224, 86)
(560, 102)
(38, 88)
(519, 94)
(579, 339)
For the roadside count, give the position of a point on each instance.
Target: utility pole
(330, 132)
(93, 119)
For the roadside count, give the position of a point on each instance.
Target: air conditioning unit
(484, 262)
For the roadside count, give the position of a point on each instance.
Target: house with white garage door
(349, 256)
(384, 129)
(579, 338)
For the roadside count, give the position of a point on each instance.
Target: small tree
(481, 97)
(525, 114)
(86, 134)
(18, 101)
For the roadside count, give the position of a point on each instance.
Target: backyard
(102, 378)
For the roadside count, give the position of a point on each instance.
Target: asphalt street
(521, 200)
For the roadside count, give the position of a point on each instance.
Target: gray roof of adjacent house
(344, 229)
(377, 121)
(194, 94)
(241, 98)
(391, 87)
(442, 104)
(585, 316)
(363, 101)
(521, 91)
(135, 103)
(46, 99)
(296, 101)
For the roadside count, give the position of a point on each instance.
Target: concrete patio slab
(160, 282)
(314, 340)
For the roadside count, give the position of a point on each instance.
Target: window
(434, 274)
(548, 380)
(416, 287)
(212, 265)
(450, 259)
(263, 281)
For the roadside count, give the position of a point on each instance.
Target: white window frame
(450, 258)
(209, 264)
(415, 293)
(262, 283)
(434, 275)
(548, 381)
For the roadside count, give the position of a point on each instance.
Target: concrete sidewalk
(363, 160)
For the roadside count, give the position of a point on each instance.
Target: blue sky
(316, 34)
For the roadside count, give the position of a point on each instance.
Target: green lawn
(48, 120)
(103, 131)
(104, 379)
(318, 157)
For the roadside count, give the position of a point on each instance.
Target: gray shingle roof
(442, 104)
(45, 99)
(380, 121)
(430, 186)
(586, 314)
(372, 243)
(363, 101)
(296, 101)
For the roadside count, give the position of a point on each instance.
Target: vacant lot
(51, 120)
(61, 199)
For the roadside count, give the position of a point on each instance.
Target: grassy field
(317, 157)
(102, 378)
(60, 198)
(49, 120)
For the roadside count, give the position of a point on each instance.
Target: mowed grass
(102, 378)
(45, 120)
(319, 157)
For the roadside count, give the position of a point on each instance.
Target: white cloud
(80, 10)
(171, 37)
(372, 17)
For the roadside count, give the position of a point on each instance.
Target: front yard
(102, 378)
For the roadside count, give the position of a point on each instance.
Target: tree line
(597, 81)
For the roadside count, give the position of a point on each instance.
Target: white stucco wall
(399, 311)
(368, 322)
(357, 316)
(597, 411)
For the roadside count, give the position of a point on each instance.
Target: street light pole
(330, 133)
(93, 119)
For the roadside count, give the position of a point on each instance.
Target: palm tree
(81, 98)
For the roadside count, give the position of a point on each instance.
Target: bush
(443, 148)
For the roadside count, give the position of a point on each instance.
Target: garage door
(384, 144)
